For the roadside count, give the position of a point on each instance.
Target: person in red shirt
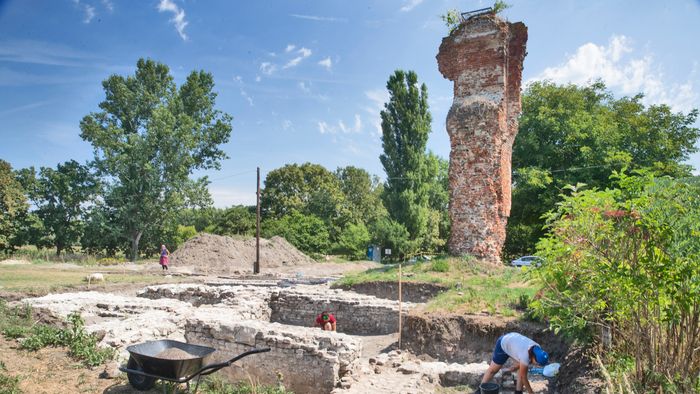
(326, 321)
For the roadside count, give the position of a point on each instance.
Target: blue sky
(305, 80)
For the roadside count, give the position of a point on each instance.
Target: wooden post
(256, 266)
(399, 305)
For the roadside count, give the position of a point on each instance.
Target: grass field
(47, 277)
(472, 288)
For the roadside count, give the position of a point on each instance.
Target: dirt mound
(210, 253)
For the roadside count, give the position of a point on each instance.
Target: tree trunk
(135, 245)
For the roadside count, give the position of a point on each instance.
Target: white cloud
(358, 123)
(287, 125)
(303, 54)
(257, 78)
(290, 47)
(326, 63)
(623, 73)
(377, 97)
(340, 126)
(410, 4)
(319, 18)
(304, 87)
(244, 94)
(178, 18)
(267, 68)
(108, 5)
(89, 11)
(323, 127)
(46, 53)
(25, 107)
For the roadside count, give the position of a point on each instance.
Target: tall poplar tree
(405, 128)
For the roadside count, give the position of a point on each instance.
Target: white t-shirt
(517, 347)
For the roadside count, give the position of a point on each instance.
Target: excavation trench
(233, 318)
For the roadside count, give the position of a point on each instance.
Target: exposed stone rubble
(308, 360)
(122, 320)
(484, 58)
(245, 302)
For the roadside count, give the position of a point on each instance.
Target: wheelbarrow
(145, 366)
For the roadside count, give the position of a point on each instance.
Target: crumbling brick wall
(484, 58)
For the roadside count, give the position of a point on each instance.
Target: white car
(527, 261)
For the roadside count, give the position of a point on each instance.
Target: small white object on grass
(551, 370)
(95, 277)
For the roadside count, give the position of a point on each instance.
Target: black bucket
(489, 388)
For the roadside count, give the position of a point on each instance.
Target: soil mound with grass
(209, 253)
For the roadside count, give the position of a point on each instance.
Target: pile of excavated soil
(219, 254)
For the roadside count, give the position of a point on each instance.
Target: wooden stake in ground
(399, 305)
(256, 266)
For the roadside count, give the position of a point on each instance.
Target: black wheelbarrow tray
(144, 365)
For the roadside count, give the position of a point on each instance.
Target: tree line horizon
(150, 135)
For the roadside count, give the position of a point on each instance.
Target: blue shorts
(499, 356)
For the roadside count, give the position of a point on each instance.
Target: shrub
(440, 265)
(81, 345)
(624, 263)
(353, 241)
(306, 232)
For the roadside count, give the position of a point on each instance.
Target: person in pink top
(164, 257)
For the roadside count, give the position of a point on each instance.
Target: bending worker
(524, 351)
(326, 321)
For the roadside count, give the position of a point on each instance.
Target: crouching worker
(524, 351)
(326, 321)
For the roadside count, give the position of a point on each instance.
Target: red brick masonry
(484, 58)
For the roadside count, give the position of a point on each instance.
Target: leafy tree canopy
(60, 196)
(571, 134)
(148, 138)
(13, 206)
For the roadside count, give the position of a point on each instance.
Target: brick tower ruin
(484, 58)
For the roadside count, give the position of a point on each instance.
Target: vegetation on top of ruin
(453, 17)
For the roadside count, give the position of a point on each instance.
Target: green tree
(237, 220)
(102, 233)
(309, 189)
(362, 194)
(60, 196)
(13, 207)
(405, 128)
(182, 234)
(570, 134)
(148, 138)
(625, 260)
(353, 241)
(391, 235)
(306, 232)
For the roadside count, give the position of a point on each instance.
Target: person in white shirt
(524, 351)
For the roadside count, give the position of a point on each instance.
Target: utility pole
(256, 266)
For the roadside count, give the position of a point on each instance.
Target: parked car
(527, 261)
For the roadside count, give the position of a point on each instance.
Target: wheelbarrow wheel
(139, 382)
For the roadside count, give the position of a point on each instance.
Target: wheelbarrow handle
(211, 368)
